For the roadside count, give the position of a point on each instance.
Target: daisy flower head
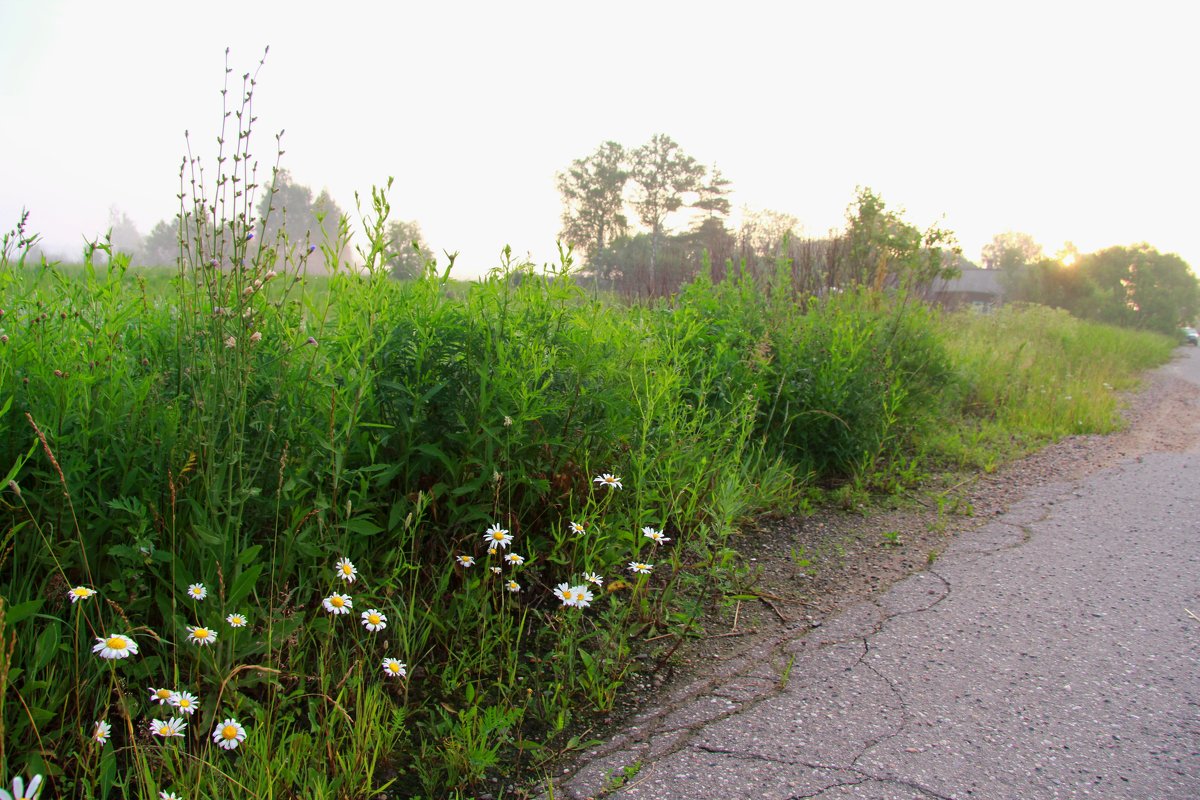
(512, 586)
(80, 593)
(594, 578)
(161, 696)
(655, 536)
(338, 604)
(197, 591)
(168, 727)
(393, 668)
(514, 559)
(496, 570)
(229, 734)
(201, 635)
(346, 571)
(185, 702)
(578, 529)
(565, 593)
(605, 479)
(115, 645)
(19, 792)
(236, 620)
(101, 732)
(465, 561)
(165, 795)
(639, 568)
(374, 620)
(583, 598)
(491, 551)
(497, 537)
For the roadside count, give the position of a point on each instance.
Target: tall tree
(713, 196)
(662, 173)
(1141, 287)
(1010, 250)
(407, 253)
(593, 192)
(883, 245)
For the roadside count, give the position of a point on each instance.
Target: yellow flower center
(373, 619)
(185, 703)
(394, 667)
(337, 602)
(201, 633)
(347, 569)
(163, 694)
(229, 732)
(498, 535)
(117, 643)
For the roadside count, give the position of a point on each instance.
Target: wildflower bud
(256, 337)
(270, 274)
(3, 338)
(25, 381)
(16, 489)
(212, 262)
(257, 283)
(249, 236)
(312, 248)
(249, 290)
(248, 313)
(62, 315)
(311, 341)
(231, 342)
(145, 362)
(91, 365)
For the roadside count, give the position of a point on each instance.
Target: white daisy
(161, 696)
(514, 559)
(583, 598)
(338, 604)
(374, 620)
(168, 727)
(577, 529)
(640, 568)
(611, 481)
(115, 646)
(346, 571)
(229, 734)
(655, 536)
(393, 668)
(497, 537)
(565, 593)
(592, 577)
(236, 620)
(200, 635)
(80, 593)
(513, 586)
(185, 702)
(165, 795)
(197, 591)
(466, 561)
(20, 792)
(101, 732)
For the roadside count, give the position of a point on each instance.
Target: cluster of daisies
(374, 620)
(228, 734)
(498, 539)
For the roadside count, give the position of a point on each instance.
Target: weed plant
(275, 533)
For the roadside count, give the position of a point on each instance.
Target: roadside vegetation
(269, 533)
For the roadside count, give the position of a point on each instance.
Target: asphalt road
(1047, 654)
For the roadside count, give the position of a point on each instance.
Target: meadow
(276, 525)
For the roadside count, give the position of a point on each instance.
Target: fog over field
(1068, 121)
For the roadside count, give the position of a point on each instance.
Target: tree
(662, 173)
(883, 246)
(713, 196)
(1010, 250)
(161, 245)
(124, 234)
(1140, 287)
(593, 192)
(407, 253)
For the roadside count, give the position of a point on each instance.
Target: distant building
(980, 288)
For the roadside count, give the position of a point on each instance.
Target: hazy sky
(1069, 121)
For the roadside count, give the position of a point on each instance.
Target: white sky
(1069, 121)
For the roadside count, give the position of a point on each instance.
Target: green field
(239, 427)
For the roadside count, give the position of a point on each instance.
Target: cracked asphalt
(1048, 653)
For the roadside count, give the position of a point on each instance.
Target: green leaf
(243, 584)
(249, 554)
(361, 526)
(15, 613)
